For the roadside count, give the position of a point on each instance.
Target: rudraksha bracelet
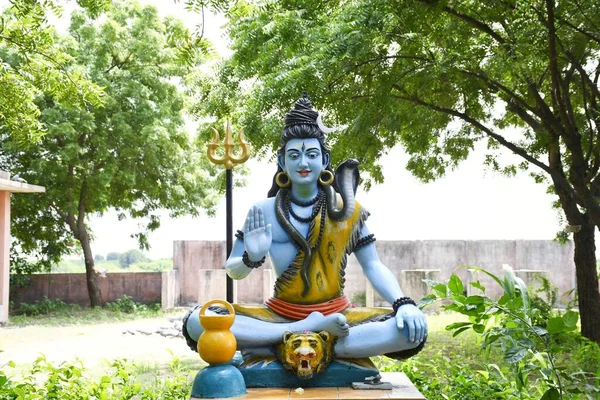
(402, 301)
(252, 264)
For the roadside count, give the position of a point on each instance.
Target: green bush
(125, 304)
(43, 307)
(528, 337)
(443, 377)
(164, 264)
(359, 299)
(131, 257)
(68, 381)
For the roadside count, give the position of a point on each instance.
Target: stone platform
(403, 389)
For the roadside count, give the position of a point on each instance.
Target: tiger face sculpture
(306, 353)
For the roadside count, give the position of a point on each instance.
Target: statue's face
(303, 161)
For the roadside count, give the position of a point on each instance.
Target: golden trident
(228, 158)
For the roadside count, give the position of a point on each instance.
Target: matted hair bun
(302, 113)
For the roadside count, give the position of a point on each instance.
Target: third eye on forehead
(295, 147)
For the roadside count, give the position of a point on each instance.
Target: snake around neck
(346, 181)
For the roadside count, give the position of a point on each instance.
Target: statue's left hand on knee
(414, 320)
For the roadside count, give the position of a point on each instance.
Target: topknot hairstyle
(302, 113)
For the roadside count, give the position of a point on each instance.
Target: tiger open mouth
(304, 365)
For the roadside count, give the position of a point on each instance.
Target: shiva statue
(308, 225)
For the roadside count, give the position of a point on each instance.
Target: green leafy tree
(132, 154)
(436, 77)
(32, 64)
(113, 255)
(131, 257)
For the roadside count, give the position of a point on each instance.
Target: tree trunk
(587, 281)
(90, 272)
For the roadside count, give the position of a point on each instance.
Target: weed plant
(70, 381)
(528, 349)
(58, 313)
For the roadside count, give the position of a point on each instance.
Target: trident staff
(229, 159)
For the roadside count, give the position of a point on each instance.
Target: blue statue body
(308, 225)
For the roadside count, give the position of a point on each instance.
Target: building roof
(6, 184)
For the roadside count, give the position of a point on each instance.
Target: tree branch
(556, 88)
(589, 35)
(60, 66)
(499, 138)
(547, 115)
(356, 66)
(473, 22)
(70, 215)
(592, 86)
(81, 206)
(567, 99)
(498, 86)
(59, 212)
(525, 116)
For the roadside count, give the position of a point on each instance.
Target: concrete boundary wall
(444, 256)
(192, 261)
(143, 287)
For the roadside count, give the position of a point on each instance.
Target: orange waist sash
(301, 311)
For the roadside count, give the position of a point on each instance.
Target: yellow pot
(217, 344)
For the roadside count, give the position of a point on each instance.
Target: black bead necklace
(315, 211)
(306, 203)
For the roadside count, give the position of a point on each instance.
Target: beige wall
(442, 255)
(143, 287)
(182, 286)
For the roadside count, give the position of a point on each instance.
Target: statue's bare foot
(316, 322)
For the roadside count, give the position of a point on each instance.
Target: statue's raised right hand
(257, 236)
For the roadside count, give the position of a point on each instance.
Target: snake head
(347, 173)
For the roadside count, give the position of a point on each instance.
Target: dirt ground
(93, 344)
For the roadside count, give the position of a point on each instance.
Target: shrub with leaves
(125, 304)
(508, 324)
(42, 307)
(68, 381)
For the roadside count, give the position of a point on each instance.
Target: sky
(469, 203)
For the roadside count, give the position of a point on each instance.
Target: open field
(95, 344)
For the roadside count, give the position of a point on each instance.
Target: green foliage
(74, 315)
(112, 256)
(125, 304)
(359, 299)
(544, 299)
(442, 377)
(69, 381)
(43, 307)
(451, 368)
(132, 154)
(164, 264)
(435, 77)
(34, 62)
(131, 257)
(422, 73)
(508, 324)
(113, 266)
